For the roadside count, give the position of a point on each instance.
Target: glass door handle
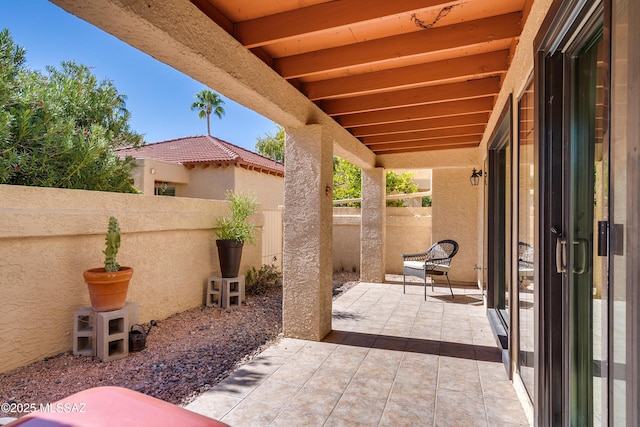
(581, 246)
(561, 254)
(603, 238)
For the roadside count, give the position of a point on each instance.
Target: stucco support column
(308, 222)
(373, 225)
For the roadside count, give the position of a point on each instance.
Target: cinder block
(112, 332)
(232, 293)
(104, 334)
(214, 292)
(84, 338)
(225, 292)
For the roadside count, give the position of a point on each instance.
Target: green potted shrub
(234, 230)
(258, 282)
(108, 285)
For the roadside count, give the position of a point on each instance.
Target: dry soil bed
(186, 355)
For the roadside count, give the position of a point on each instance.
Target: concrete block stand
(104, 334)
(225, 292)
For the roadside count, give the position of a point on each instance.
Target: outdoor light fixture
(475, 176)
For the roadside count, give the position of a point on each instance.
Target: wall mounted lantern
(475, 177)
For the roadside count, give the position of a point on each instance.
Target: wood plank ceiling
(400, 75)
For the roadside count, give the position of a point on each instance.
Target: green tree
(347, 183)
(400, 184)
(208, 102)
(60, 129)
(272, 146)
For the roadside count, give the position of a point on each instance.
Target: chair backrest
(443, 250)
(525, 255)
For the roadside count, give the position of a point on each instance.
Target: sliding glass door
(575, 223)
(585, 210)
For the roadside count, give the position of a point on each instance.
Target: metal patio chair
(525, 263)
(435, 261)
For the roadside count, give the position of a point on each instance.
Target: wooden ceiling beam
(476, 130)
(413, 145)
(409, 97)
(440, 142)
(216, 16)
(465, 68)
(323, 17)
(417, 112)
(427, 148)
(436, 39)
(424, 124)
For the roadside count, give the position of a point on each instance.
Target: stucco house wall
(208, 183)
(269, 189)
(213, 183)
(455, 217)
(206, 167)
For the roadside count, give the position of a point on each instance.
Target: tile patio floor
(391, 360)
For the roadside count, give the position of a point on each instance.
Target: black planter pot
(229, 254)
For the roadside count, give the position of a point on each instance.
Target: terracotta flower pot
(108, 291)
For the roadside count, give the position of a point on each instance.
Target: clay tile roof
(204, 150)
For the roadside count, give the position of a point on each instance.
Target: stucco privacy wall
(48, 237)
(407, 230)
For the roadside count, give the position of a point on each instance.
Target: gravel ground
(343, 281)
(186, 355)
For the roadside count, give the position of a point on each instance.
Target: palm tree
(208, 102)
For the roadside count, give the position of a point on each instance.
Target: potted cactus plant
(232, 231)
(108, 285)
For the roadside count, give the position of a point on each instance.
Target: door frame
(502, 132)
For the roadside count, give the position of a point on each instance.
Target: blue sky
(159, 97)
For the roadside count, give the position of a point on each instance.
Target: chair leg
(447, 274)
(425, 287)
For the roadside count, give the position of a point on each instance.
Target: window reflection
(526, 249)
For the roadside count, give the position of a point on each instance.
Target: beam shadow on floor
(415, 345)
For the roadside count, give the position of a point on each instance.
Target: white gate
(272, 238)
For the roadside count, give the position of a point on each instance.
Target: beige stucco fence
(408, 230)
(48, 237)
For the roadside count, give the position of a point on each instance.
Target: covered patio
(391, 359)
(533, 98)
(384, 85)
(410, 85)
